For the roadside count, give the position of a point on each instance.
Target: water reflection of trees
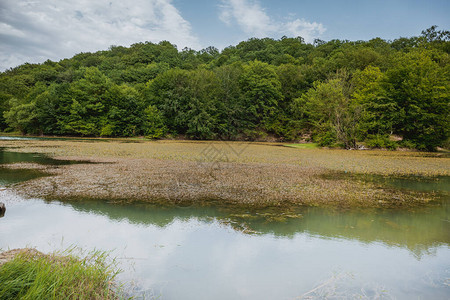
(11, 176)
(10, 157)
(419, 230)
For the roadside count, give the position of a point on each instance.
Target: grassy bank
(303, 146)
(249, 174)
(29, 274)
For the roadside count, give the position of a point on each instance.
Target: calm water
(218, 253)
(10, 157)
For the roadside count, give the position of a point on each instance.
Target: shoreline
(181, 139)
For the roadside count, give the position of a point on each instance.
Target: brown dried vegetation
(255, 175)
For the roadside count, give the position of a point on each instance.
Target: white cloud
(250, 16)
(305, 29)
(34, 31)
(6, 29)
(254, 20)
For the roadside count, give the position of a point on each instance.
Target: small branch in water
(326, 283)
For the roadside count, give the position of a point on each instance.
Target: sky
(36, 30)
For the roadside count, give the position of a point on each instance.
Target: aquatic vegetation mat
(248, 174)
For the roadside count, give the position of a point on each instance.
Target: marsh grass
(261, 175)
(30, 274)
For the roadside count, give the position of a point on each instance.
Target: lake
(214, 252)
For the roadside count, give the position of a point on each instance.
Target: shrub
(381, 142)
(325, 139)
(408, 144)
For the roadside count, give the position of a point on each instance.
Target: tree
(87, 109)
(380, 113)
(22, 116)
(231, 116)
(261, 92)
(169, 93)
(433, 35)
(201, 114)
(153, 126)
(419, 86)
(125, 112)
(331, 113)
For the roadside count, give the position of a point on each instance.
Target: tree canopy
(336, 93)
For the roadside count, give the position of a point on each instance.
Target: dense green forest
(336, 93)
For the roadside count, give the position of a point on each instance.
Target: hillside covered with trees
(337, 93)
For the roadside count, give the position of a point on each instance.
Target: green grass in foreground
(303, 146)
(33, 275)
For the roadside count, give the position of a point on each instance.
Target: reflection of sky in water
(14, 138)
(193, 259)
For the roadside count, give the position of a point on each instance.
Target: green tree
(169, 93)
(124, 112)
(153, 126)
(331, 113)
(261, 91)
(380, 113)
(419, 86)
(231, 117)
(87, 109)
(201, 114)
(22, 116)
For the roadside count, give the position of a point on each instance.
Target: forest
(378, 93)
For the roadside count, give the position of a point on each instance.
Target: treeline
(336, 93)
